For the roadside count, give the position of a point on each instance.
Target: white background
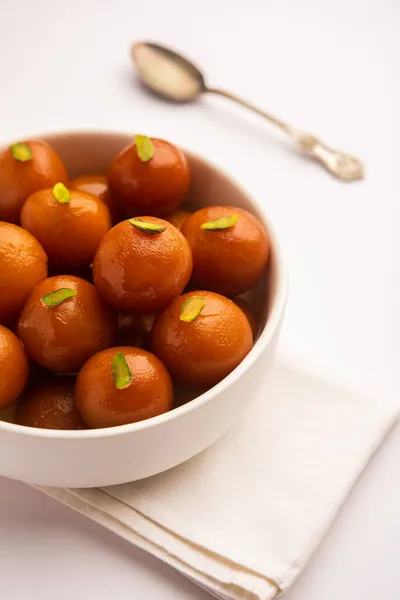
(331, 68)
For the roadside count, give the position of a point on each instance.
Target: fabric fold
(243, 518)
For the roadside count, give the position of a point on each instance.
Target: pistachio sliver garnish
(59, 296)
(144, 147)
(121, 372)
(61, 194)
(21, 152)
(191, 308)
(220, 223)
(147, 226)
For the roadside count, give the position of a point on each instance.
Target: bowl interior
(92, 152)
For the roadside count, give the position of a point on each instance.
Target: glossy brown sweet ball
(23, 264)
(141, 265)
(25, 168)
(98, 186)
(150, 176)
(92, 184)
(14, 367)
(134, 330)
(230, 249)
(178, 217)
(250, 314)
(50, 405)
(69, 224)
(122, 385)
(64, 322)
(201, 337)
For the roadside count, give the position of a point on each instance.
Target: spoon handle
(342, 165)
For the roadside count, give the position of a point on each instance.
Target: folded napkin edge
(199, 547)
(219, 588)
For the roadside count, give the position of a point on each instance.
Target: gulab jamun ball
(92, 184)
(150, 176)
(23, 264)
(178, 217)
(201, 337)
(50, 405)
(14, 367)
(69, 224)
(25, 168)
(230, 249)
(98, 186)
(122, 385)
(141, 265)
(64, 322)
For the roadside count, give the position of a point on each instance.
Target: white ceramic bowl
(119, 454)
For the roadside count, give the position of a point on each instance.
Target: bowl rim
(274, 318)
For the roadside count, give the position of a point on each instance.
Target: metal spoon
(173, 77)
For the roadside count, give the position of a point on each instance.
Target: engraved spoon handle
(342, 165)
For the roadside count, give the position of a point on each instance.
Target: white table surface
(331, 68)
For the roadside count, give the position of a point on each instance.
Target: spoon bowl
(167, 73)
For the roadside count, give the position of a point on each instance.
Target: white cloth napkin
(243, 518)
